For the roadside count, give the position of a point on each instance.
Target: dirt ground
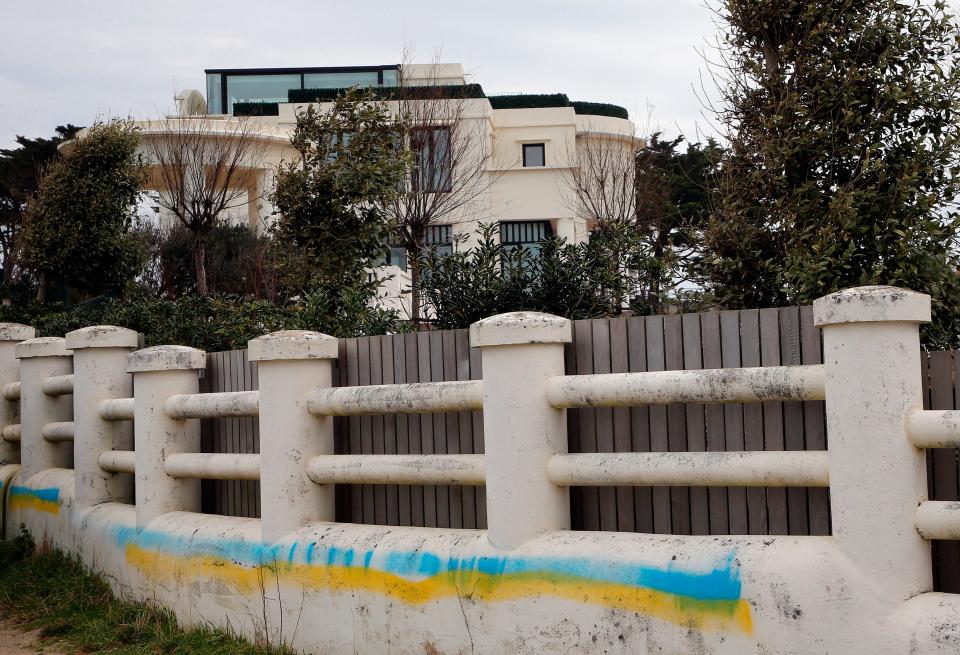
(17, 642)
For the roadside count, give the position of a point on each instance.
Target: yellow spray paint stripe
(40, 500)
(682, 610)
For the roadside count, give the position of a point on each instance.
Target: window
(440, 238)
(524, 234)
(432, 170)
(259, 88)
(533, 155)
(340, 80)
(214, 97)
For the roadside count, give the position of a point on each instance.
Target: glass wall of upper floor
(225, 87)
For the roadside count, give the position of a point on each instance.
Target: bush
(599, 109)
(529, 101)
(449, 91)
(256, 109)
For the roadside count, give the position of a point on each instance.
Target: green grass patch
(46, 590)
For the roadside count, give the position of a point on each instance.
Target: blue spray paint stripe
(722, 582)
(50, 495)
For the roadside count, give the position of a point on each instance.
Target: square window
(533, 155)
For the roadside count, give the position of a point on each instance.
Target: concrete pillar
(100, 373)
(522, 431)
(289, 364)
(871, 350)
(40, 359)
(10, 335)
(158, 373)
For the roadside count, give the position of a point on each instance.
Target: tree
(452, 152)
(76, 227)
(332, 203)
(842, 164)
(20, 172)
(203, 170)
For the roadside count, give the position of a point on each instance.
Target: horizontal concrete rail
(710, 469)
(11, 391)
(939, 519)
(59, 431)
(58, 385)
(934, 428)
(213, 405)
(731, 385)
(11, 433)
(213, 466)
(416, 398)
(397, 469)
(117, 409)
(117, 461)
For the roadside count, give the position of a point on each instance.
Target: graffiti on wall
(705, 600)
(40, 500)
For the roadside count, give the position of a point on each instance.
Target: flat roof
(306, 69)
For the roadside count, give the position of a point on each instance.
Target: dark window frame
(543, 155)
(425, 137)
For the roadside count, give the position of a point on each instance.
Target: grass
(47, 590)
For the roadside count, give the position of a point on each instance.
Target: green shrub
(235, 261)
(442, 91)
(599, 109)
(256, 109)
(529, 101)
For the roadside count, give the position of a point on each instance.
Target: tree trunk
(42, 288)
(200, 265)
(415, 293)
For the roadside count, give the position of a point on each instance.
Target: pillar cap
(872, 305)
(42, 347)
(292, 345)
(166, 358)
(16, 332)
(102, 336)
(515, 328)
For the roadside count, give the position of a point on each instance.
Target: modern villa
(531, 144)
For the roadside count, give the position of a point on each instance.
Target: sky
(72, 61)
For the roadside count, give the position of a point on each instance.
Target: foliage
(332, 203)
(46, 590)
(214, 322)
(20, 172)
(599, 109)
(384, 93)
(238, 262)
(843, 158)
(256, 109)
(76, 231)
(529, 101)
(576, 281)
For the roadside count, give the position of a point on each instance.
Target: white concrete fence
(114, 414)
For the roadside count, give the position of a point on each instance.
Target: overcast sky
(74, 60)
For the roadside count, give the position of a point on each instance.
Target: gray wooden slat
(659, 435)
(676, 422)
(773, 419)
(452, 424)
(426, 430)
(942, 393)
(753, 417)
(695, 422)
(603, 418)
(366, 429)
(389, 428)
(797, 503)
(377, 444)
(402, 427)
(640, 423)
(622, 438)
(476, 373)
(465, 425)
(353, 427)
(341, 437)
(733, 418)
(814, 423)
(255, 384)
(573, 433)
(439, 428)
(414, 421)
(586, 426)
(714, 419)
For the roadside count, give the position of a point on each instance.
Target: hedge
(600, 109)
(543, 100)
(444, 91)
(256, 109)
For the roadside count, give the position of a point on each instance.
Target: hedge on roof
(599, 109)
(443, 91)
(537, 101)
(530, 101)
(256, 109)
